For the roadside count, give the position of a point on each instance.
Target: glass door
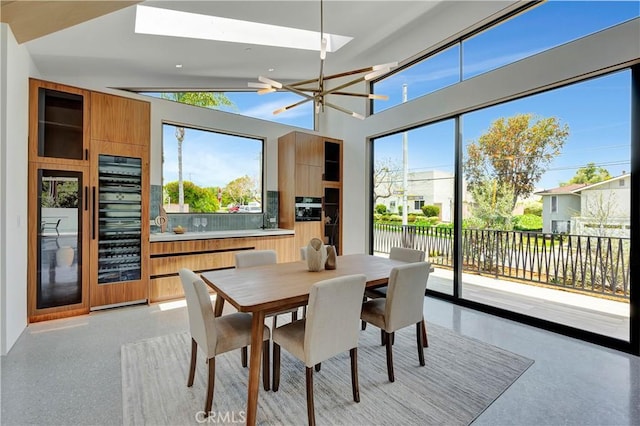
(119, 219)
(119, 234)
(57, 270)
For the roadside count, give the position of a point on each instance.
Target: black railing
(593, 264)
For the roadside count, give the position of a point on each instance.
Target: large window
(532, 31)
(205, 171)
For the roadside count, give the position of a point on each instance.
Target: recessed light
(272, 69)
(178, 65)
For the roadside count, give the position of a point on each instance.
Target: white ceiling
(107, 51)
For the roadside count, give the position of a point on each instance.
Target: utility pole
(405, 165)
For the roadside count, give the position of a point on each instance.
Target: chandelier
(315, 90)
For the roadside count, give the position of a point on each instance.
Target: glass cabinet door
(119, 218)
(60, 124)
(59, 238)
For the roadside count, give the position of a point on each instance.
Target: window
(418, 204)
(554, 204)
(534, 30)
(427, 76)
(221, 173)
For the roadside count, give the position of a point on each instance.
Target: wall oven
(308, 209)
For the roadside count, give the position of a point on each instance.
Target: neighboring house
(433, 187)
(605, 208)
(559, 205)
(597, 209)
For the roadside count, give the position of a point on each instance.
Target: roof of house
(567, 189)
(614, 179)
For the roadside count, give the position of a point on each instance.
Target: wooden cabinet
(167, 258)
(66, 180)
(118, 119)
(311, 166)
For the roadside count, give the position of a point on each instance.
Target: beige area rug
(461, 379)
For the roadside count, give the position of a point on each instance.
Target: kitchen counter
(171, 236)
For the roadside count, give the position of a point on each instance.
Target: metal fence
(593, 264)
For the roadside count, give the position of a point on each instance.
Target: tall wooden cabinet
(311, 166)
(88, 200)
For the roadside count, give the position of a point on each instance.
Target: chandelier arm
(288, 107)
(348, 73)
(346, 111)
(298, 92)
(342, 86)
(303, 82)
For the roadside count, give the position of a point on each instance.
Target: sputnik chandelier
(315, 90)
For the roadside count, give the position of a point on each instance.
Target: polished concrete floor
(67, 372)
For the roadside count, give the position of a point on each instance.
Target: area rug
(462, 378)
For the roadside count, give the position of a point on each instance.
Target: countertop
(171, 236)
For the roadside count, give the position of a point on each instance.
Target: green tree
(381, 208)
(200, 200)
(239, 191)
(589, 174)
(201, 99)
(515, 152)
(492, 205)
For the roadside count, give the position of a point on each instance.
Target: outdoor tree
(386, 175)
(589, 174)
(200, 200)
(202, 99)
(239, 191)
(492, 206)
(515, 152)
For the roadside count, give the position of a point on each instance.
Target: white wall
(16, 66)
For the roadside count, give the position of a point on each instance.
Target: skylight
(166, 22)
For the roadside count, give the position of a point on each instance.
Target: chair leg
(243, 356)
(275, 323)
(266, 366)
(192, 366)
(363, 325)
(425, 341)
(304, 311)
(294, 316)
(276, 367)
(383, 337)
(419, 329)
(210, 386)
(389, 357)
(318, 366)
(355, 387)
(311, 416)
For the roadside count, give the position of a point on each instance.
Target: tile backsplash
(216, 222)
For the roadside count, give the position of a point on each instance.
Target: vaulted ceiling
(96, 40)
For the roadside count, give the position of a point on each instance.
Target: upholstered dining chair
(215, 336)
(404, 255)
(251, 258)
(330, 328)
(401, 308)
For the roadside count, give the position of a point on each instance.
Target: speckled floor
(67, 372)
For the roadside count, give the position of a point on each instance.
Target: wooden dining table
(263, 290)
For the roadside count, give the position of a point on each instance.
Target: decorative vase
(316, 255)
(64, 256)
(331, 258)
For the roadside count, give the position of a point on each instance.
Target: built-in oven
(308, 209)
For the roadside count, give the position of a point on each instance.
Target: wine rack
(119, 219)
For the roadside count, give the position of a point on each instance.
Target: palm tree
(201, 99)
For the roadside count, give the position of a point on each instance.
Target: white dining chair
(330, 328)
(215, 336)
(404, 255)
(402, 307)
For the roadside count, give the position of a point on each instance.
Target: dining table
(263, 290)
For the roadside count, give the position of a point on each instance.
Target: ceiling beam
(33, 19)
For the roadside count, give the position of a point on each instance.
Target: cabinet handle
(86, 198)
(86, 154)
(93, 214)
